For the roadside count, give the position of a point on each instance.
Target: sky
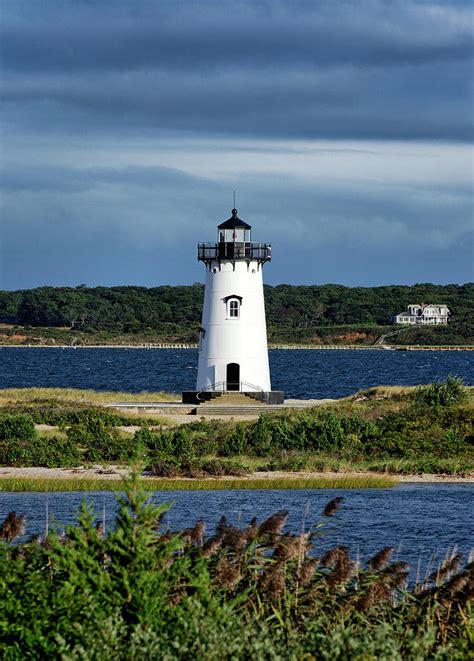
(345, 128)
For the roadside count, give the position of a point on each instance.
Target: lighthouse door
(233, 376)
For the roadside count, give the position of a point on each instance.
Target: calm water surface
(422, 522)
(300, 373)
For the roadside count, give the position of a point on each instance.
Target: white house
(425, 313)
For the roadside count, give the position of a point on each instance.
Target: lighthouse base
(260, 397)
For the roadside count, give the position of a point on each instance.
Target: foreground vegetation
(139, 591)
(428, 429)
(326, 314)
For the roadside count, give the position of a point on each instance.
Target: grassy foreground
(139, 591)
(71, 484)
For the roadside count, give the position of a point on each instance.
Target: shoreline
(312, 347)
(113, 474)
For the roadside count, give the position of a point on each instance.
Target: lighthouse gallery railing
(261, 252)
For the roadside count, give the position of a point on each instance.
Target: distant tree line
(166, 308)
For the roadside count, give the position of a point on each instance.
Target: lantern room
(234, 230)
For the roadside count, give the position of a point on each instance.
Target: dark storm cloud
(126, 125)
(215, 34)
(276, 69)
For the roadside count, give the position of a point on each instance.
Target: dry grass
(72, 395)
(382, 399)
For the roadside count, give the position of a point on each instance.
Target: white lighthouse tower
(233, 352)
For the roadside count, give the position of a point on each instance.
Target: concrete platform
(215, 409)
(261, 397)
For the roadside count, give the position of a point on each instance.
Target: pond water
(422, 521)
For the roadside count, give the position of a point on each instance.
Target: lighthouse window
(234, 308)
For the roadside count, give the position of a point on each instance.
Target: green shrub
(101, 442)
(453, 443)
(356, 426)
(236, 441)
(260, 436)
(288, 462)
(214, 467)
(146, 437)
(327, 432)
(178, 443)
(353, 447)
(16, 453)
(160, 440)
(89, 432)
(19, 427)
(115, 447)
(208, 435)
(183, 444)
(163, 465)
(58, 452)
(49, 452)
(441, 393)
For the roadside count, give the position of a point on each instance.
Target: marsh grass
(84, 484)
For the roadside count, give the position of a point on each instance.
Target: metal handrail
(256, 388)
(253, 386)
(213, 386)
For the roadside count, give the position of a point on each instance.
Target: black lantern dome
(234, 222)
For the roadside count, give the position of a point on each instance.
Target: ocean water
(422, 521)
(299, 373)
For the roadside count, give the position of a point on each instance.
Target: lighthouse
(233, 352)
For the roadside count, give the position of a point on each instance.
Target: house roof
(234, 222)
(419, 310)
(427, 305)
